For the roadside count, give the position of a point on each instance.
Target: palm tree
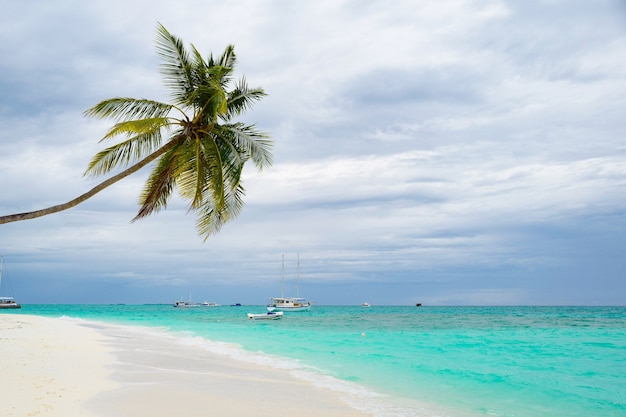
(205, 150)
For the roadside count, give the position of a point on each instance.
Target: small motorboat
(270, 315)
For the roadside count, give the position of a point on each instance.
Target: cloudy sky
(444, 152)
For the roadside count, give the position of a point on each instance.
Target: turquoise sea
(416, 361)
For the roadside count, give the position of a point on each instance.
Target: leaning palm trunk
(204, 156)
(83, 197)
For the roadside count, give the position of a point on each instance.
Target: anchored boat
(6, 302)
(283, 303)
(270, 315)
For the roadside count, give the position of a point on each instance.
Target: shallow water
(418, 361)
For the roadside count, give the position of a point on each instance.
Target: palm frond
(200, 170)
(160, 184)
(123, 153)
(212, 182)
(137, 127)
(126, 108)
(233, 155)
(204, 168)
(176, 67)
(210, 219)
(256, 144)
(228, 58)
(241, 98)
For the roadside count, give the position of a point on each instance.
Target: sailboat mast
(282, 279)
(298, 277)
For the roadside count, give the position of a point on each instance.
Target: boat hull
(287, 309)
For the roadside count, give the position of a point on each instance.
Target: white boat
(270, 315)
(207, 304)
(6, 302)
(290, 304)
(283, 303)
(186, 304)
(365, 304)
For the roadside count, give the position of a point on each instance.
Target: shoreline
(62, 367)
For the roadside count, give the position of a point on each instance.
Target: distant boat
(290, 304)
(207, 304)
(365, 304)
(185, 304)
(283, 303)
(270, 315)
(6, 302)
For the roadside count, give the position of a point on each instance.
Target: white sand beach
(51, 367)
(60, 367)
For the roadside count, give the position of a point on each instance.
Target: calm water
(418, 361)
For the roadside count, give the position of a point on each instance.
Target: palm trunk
(72, 203)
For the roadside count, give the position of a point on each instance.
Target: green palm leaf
(125, 108)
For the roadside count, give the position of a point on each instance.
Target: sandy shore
(50, 367)
(59, 367)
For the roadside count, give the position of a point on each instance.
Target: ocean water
(416, 361)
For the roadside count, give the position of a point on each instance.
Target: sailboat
(6, 302)
(283, 303)
(186, 304)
